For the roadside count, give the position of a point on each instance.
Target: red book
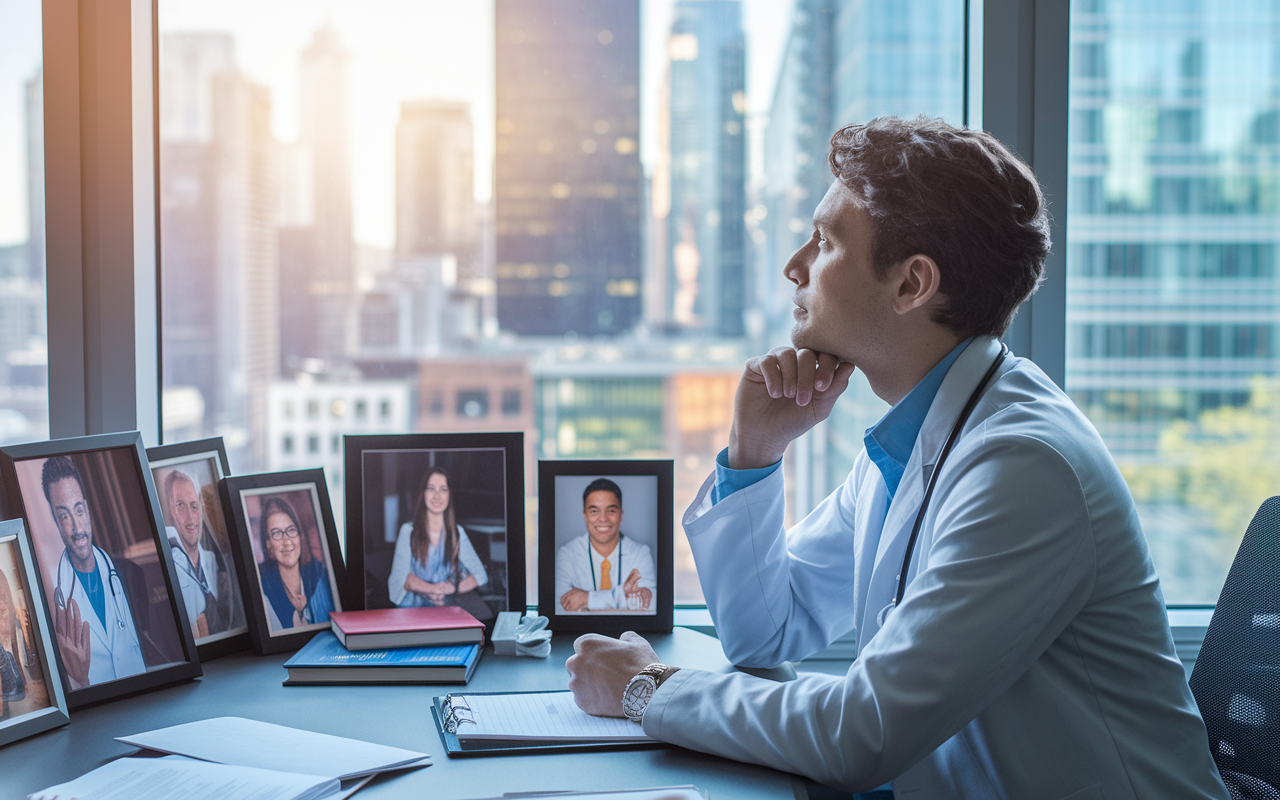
(383, 628)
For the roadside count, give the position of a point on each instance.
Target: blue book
(325, 660)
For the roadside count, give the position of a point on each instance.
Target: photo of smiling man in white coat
(1012, 639)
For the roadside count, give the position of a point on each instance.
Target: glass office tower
(1173, 286)
(567, 180)
(706, 286)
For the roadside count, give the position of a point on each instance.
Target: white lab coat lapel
(953, 393)
(100, 644)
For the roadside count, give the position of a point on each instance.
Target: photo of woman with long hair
(21, 690)
(294, 583)
(434, 562)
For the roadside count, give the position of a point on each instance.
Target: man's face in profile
(184, 510)
(71, 512)
(603, 515)
(842, 306)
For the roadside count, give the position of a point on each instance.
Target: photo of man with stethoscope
(93, 619)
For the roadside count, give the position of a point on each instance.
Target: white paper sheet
(250, 743)
(185, 779)
(665, 793)
(544, 716)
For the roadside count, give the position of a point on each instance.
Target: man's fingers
(806, 369)
(787, 364)
(844, 371)
(825, 371)
(632, 636)
(769, 371)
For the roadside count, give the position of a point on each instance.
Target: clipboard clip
(456, 712)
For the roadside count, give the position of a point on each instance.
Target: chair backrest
(1236, 679)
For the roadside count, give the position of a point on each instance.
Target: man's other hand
(782, 395)
(574, 600)
(601, 668)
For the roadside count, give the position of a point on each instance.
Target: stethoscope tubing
(937, 469)
(60, 597)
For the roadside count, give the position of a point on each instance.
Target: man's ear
(918, 279)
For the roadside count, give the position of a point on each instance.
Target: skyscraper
(324, 131)
(796, 174)
(567, 170)
(435, 194)
(1173, 263)
(706, 231)
(218, 245)
(35, 175)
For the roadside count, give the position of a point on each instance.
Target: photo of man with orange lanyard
(590, 572)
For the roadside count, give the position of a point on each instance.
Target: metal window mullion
(101, 218)
(1023, 68)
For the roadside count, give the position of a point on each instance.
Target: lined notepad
(544, 716)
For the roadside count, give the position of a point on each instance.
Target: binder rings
(453, 716)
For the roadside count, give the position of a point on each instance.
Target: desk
(243, 685)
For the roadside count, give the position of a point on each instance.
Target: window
(24, 403)
(473, 403)
(511, 402)
(496, 249)
(1172, 290)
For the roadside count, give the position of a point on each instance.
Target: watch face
(636, 696)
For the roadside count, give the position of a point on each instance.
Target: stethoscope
(933, 479)
(113, 580)
(592, 567)
(184, 564)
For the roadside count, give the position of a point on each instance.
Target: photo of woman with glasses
(293, 575)
(434, 562)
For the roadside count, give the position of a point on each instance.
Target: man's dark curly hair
(957, 196)
(58, 468)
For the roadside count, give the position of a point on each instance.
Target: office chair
(1236, 679)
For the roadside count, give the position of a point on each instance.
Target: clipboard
(455, 748)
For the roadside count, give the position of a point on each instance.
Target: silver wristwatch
(640, 690)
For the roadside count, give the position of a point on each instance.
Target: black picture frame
(487, 469)
(241, 497)
(568, 479)
(33, 660)
(117, 488)
(231, 619)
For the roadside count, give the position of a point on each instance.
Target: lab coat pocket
(1093, 792)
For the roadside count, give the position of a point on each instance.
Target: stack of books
(396, 645)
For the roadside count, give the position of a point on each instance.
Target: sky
(401, 49)
(19, 60)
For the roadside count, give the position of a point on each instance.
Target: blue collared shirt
(889, 442)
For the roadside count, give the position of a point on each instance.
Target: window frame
(102, 200)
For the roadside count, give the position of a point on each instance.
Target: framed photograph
(289, 552)
(31, 696)
(605, 545)
(437, 519)
(186, 476)
(103, 564)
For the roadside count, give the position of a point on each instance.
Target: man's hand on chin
(601, 668)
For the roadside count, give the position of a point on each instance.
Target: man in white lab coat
(590, 569)
(93, 621)
(1024, 651)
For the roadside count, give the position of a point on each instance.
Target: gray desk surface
(246, 686)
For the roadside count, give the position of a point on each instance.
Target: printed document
(185, 779)
(250, 743)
